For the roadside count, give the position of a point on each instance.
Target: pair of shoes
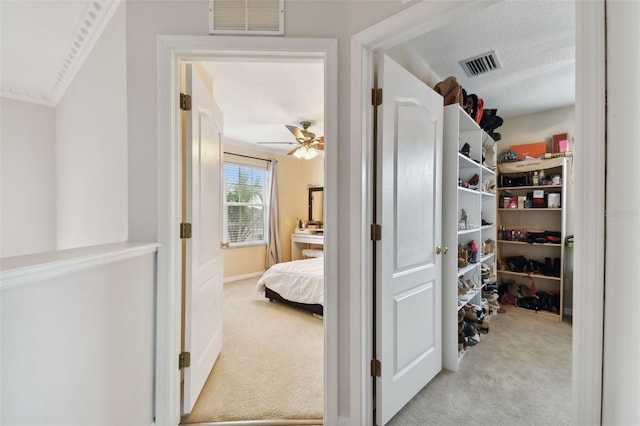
(524, 291)
(483, 327)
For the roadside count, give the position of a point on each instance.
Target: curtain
(274, 245)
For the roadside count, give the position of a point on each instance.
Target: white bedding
(299, 281)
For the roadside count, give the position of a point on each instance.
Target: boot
(548, 267)
(556, 267)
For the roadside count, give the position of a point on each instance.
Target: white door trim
(171, 51)
(589, 199)
(589, 195)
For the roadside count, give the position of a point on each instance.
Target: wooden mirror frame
(311, 220)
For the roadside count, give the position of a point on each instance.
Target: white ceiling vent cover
(481, 64)
(263, 17)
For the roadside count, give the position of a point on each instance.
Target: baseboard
(241, 277)
(567, 311)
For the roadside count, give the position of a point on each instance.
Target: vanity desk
(301, 239)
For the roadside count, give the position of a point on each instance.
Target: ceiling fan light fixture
(305, 153)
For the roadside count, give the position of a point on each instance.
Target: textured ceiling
(534, 42)
(44, 42)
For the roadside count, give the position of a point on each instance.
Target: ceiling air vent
(263, 17)
(481, 64)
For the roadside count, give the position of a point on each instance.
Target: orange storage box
(533, 150)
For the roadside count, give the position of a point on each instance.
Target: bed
(298, 283)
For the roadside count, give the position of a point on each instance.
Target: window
(245, 204)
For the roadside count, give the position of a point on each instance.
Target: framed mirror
(316, 200)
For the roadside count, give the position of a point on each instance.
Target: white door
(408, 323)
(203, 290)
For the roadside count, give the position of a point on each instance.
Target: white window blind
(245, 204)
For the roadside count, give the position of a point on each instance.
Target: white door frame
(589, 194)
(171, 51)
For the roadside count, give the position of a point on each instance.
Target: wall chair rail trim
(28, 269)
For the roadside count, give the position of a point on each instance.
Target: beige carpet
(271, 365)
(519, 374)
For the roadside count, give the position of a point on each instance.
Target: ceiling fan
(308, 143)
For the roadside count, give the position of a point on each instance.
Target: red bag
(479, 110)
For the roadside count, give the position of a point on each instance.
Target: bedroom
(251, 324)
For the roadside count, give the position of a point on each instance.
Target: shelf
(543, 313)
(535, 209)
(529, 244)
(468, 231)
(548, 216)
(514, 188)
(488, 171)
(466, 162)
(486, 257)
(478, 202)
(527, 275)
(462, 353)
(469, 190)
(470, 267)
(467, 297)
(490, 281)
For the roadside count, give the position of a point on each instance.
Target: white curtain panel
(274, 244)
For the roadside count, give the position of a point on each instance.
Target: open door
(408, 296)
(202, 255)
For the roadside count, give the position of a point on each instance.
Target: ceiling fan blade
(288, 143)
(320, 139)
(296, 132)
(294, 150)
(319, 147)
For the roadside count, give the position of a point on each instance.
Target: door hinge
(376, 232)
(376, 368)
(185, 102)
(376, 97)
(184, 360)
(185, 230)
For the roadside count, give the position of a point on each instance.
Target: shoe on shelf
(466, 149)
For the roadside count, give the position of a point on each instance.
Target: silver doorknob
(224, 245)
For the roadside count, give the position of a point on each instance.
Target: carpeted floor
(519, 374)
(271, 368)
(271, 365)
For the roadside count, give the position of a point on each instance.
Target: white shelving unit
(543, 218)
(479, 205)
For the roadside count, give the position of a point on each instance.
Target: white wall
(91, 135)
(28, 178)
(148, 19)
(537, 128)
(621, 384)
(78, 342)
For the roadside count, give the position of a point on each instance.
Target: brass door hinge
(184, 360)
(376, 232)
(376, 97)
(185, 230)
(376, 368)
(185, 102)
